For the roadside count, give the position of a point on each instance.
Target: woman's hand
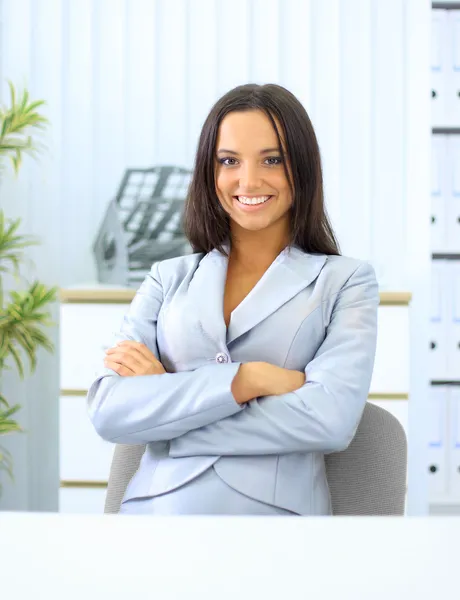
(255, 379)
(130, 358)
(274, 381)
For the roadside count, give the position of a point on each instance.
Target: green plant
(24, 315)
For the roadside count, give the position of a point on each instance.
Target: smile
(247, 204)
(252, 201)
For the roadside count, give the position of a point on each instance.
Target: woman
(242, 364)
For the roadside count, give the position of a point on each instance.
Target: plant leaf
(17, 121)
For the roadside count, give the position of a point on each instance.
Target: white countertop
(129, 558)
(106, 293)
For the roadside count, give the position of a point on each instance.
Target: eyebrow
(264, 151)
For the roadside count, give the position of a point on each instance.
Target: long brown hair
(206, 224)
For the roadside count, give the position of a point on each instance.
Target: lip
(252, 207)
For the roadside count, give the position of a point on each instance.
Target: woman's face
(251, 182)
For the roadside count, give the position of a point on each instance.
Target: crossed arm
(237, 409)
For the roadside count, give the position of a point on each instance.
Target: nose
(250, 179)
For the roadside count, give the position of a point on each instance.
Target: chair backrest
(368, 478)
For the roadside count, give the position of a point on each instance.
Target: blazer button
(221, 358)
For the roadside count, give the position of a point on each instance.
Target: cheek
(223, 181)
(282, 185)
(222, 190)
(286, 202)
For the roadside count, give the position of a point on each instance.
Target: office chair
(367, 478)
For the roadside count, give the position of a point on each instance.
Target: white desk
(129, 558)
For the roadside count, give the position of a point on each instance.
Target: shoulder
(170, 272)
(331, 267)
(350, 282)
(178, 264)
(331, 275)
(344, 267)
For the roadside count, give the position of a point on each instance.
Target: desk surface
(114, 557)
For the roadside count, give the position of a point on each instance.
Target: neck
(256, 250)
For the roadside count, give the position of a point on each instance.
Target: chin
(252, 225)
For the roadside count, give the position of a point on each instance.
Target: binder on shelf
(452, 208)
(438, 322)
(452, 44)
(454, 446)
(439, 63)
(439, 193)
(453, 328)
(437, 450)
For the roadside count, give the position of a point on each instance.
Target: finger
(118, 368)
(124, 349)
(142, 351)
(121, 346)
(128, 359)
(135, 354)
(112, 350)
(140, 347)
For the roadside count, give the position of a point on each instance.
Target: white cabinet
(83, 455)
(391, 369)
(88, 321)
(87, 330)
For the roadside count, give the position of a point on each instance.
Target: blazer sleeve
(137, 410)
(321, 416)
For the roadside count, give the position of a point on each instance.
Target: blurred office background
(128, 84)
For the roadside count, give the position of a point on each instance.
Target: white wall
(129, 82)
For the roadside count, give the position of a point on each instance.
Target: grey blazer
(309, 312)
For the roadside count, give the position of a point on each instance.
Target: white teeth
(256, 200)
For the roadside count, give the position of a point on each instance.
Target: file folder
(437, 474)
(454, 446)
(438, 321)
(452, 44)
(439, 56)
(453, 327)
(452, 208)
(440, 187)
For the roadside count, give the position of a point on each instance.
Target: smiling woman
(251, 181)
(242, 364)
(258, 142)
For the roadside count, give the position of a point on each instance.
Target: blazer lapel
(206, 292)
(291, 272)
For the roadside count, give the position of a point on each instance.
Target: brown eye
(274, 160)
(227, 161)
